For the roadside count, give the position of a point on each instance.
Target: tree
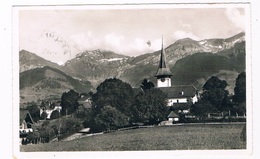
(34, 111)
(93, 125)
(202, 108)
(239, 108)
(55, 129)
(46, 132)
(150, 107)
(110, 118)
(34, 137)
(115, 93)
(146, 84)
(55, 114)
(45, 124)
(240, 88)
(44, 115)
(70, 126)
(215, 93)
(69, 102)
(214, 83)
(217, 97)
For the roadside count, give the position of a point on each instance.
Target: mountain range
(191, 62)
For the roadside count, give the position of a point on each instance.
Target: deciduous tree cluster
(215, 98)
(116, 104)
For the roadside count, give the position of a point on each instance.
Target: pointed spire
(163, 70)
(162, 63)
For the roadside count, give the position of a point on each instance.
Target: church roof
(163, 70)
(182, 91)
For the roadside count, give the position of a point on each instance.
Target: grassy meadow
(184, 137)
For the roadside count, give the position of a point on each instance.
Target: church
(178, 97)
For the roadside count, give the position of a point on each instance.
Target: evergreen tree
(55, 114)
(44, 115)
(240, 88)
(146, 84)
(34, 111)
(69, 102)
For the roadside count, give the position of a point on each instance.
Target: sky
(58, 34)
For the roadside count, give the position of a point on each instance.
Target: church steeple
(163, 73)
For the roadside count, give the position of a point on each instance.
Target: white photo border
(132, 154)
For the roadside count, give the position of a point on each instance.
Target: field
(185, 137)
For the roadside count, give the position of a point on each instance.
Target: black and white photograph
(134, 78)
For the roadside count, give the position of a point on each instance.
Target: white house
(48, 109)
(173, 117)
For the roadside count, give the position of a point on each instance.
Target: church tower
(163, 73)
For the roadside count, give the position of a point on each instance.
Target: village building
(49, 107)
(173, 117)
(85, 103)
(180, 97)
(26, 122)
(26, 125)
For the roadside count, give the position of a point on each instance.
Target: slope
(197, 68)
(48, 82)
(28, 60)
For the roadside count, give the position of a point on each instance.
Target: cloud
(85, 41)
(113, 41)
(91, 41)
(156, 44)
(182, 34)
(236, 16)
(139, 46)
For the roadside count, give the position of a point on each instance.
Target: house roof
(173, 115)
(86, 104)
(181, 106)
(23, 115)
(85, 130)
(82, 99)
(182, 91)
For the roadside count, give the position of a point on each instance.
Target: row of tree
(116, 104)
